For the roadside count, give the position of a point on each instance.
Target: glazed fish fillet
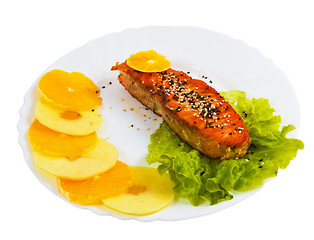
(196, 112)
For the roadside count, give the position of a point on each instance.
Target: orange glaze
(195, 103)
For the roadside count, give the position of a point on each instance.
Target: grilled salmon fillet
(196, 112)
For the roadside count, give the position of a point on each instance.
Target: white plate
(229, 63)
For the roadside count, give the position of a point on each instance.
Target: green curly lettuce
(198, 178)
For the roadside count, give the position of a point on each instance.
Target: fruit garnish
(113, 182)
(149, 192)
(73, 91)
(65, 121)
(95, 161)
(148, 61)
(46, 140)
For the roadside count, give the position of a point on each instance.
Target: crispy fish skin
(196, 112)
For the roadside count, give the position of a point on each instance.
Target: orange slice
(148, 61)
(73, 91)
(45, 140)
(108, 184)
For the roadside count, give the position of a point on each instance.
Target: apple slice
(97, 160)
(68, 122)
(149, 193)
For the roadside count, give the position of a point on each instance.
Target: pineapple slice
(68, 122)
(149, 193)
(97, 160)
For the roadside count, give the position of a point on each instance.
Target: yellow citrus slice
(148, 61)
(45, 140)
(72, 91)
(110, 183)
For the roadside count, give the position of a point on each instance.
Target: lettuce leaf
(198, 178)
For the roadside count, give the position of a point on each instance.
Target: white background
(36, 33)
